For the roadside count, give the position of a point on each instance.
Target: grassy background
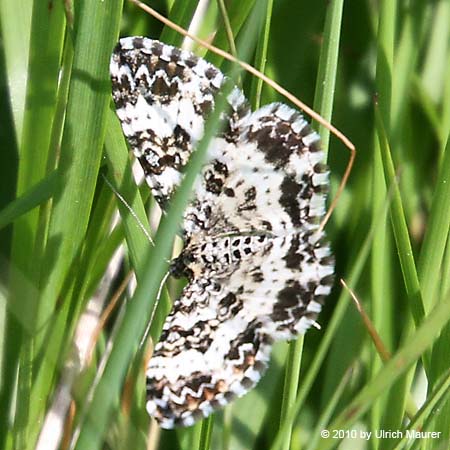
(380, 71)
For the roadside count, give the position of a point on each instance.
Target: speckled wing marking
(271, 177)
(216, 342)
(257, 264)
(162, 96)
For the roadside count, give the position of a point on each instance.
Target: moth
(257, 264)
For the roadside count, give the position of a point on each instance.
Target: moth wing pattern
(162, 96)
(216, 342)
(268, 176)
(257, 264)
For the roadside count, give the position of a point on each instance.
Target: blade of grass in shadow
(406, 53)
(413, 349)
(238, 13)
(431, 110)
(55, 144)
(411, 31)
(436, 234)
(61, 105)
(227, 26)
(445, 113)
(323, 103)
(97, 263)
(437, 52)
(82, 142)
(96, 253)
(45, 49)
(400, 228)
(440, 419)
(181, 13)
(381, 257)
(45, 46)
(261, 57)
(433, 252)
(39, 193)
(393, 417)
(329, 410)
(291, 380)
(81, 149)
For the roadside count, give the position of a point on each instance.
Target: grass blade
(422, 338)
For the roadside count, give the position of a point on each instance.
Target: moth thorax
(220, 256)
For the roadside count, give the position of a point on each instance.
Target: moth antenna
(130, 210)
(158, 297)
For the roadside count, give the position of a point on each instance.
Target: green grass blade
(400, 228)
(41, 192)
(227, 26)
(406, 54)
(326, 80)
(381, 258)
(45, 45)
(206, 434)
(437, 52)
(326, 77)
(79, 161)
(238, 13)
(120, 169)
(328, 411)
(181, 13)
(436, 281)
(440, 392)
(137, 243)
(422, 338)
(261, 57)
(82, 142)
(15, 20)
(436, 234)
(445, 125)
(327, 339)
(291, 381)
